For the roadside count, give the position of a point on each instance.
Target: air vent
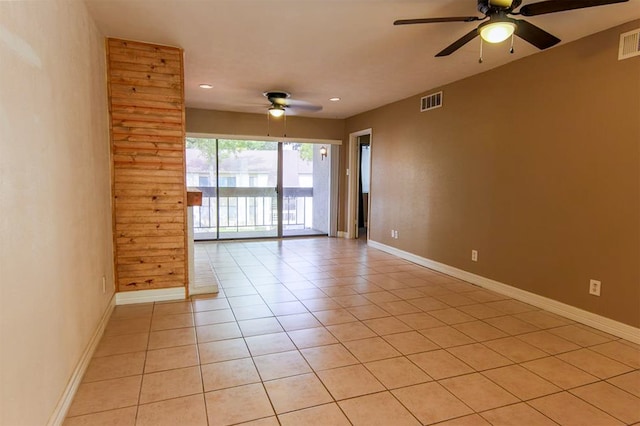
(629, 44)
(431, 101)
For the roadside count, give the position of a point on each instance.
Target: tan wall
(55, 220)
(235, 123)
(534, 164)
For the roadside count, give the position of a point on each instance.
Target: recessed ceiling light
(334, 99)
(206, 86)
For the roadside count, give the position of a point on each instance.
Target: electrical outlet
(474, 255)
(393, 233)
(104, 284)
(594, 287)
(396, 236)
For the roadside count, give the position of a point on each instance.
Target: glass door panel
(306, 189)
(202, 169)
(247, 189)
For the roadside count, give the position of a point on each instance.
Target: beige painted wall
(55, 213)
(535, 164)
(235, 123)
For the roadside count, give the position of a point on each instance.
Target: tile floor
(330, 332)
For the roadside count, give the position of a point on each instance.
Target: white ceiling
(317, 49)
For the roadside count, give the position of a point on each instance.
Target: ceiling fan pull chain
(285, 125)
(511, 50)
(268, 124)
(480, 60)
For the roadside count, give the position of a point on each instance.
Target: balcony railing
(252, 209)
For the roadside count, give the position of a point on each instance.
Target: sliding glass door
(256, 189)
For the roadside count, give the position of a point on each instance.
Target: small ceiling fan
(281, 100)
(500, 26)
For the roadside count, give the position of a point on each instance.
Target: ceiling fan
(281, 100)
(500, 26)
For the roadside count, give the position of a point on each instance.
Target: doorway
(359, 188)
(258, 189)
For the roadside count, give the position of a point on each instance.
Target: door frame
(353, 174)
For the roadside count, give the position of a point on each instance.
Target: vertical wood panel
(146, 107)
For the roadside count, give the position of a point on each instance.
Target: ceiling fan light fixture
(496, 31)
(276, 111)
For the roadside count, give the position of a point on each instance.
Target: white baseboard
(207, 289)
(342, 234)
(599, 322)
(147, 296)
(60, 412)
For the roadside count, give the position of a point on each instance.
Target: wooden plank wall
(146, 104)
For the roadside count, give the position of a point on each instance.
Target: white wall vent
(431, 101)
(629, 44)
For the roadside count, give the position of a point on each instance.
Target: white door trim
(352, 176)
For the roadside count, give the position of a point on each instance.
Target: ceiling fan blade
(459, 43)
(535, 35)
(437, 20)
(302, 106)
(553, 6)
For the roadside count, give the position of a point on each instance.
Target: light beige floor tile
(213, 332)
(167, 322)
(559, 372)
(594, 363)
(630, 382)
(514, 349)
(420, 320)
(298, 321)
(297, 392)
(334, 316)
(371, 349)
(209, 304)
(267, 421)
(511, 306)
(269, 343)
(410, 343)
(478, 392)
(246, 300)
(119, 417)
(115, 366)
(123, 312)
(128, 326)
(282, 364)
(351, 331)
(517, 415)
(172, 308)
(446, 337)
(550, 343)
(252, 312)
(470, 420)
(259, 326)
(322, 415)
(399, 307)
(169, 338)
(521, 382)
(479, 357)
(512, 325)
(187, 411)
(431, 403)
(312, 337)
(222, 350)
(381, 296)
(237, 405)
(451, 316)
(612, 400)
(484, 296)
(543, 319)
(480, 311)
(170, 358)
(329, 356)
(377, 409)
(350, 301)
(408, 293)
(170, 384)
(122, 344)
(428, 303)
(397, 372)
(228, 374)
(567, 409)
(579, 335)
(213, 317)
(350, 381)
(440, 364)
(620, 352)
(366, 312)
(105, 395)
(287, 308)
(388, 325)
(320, 304)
